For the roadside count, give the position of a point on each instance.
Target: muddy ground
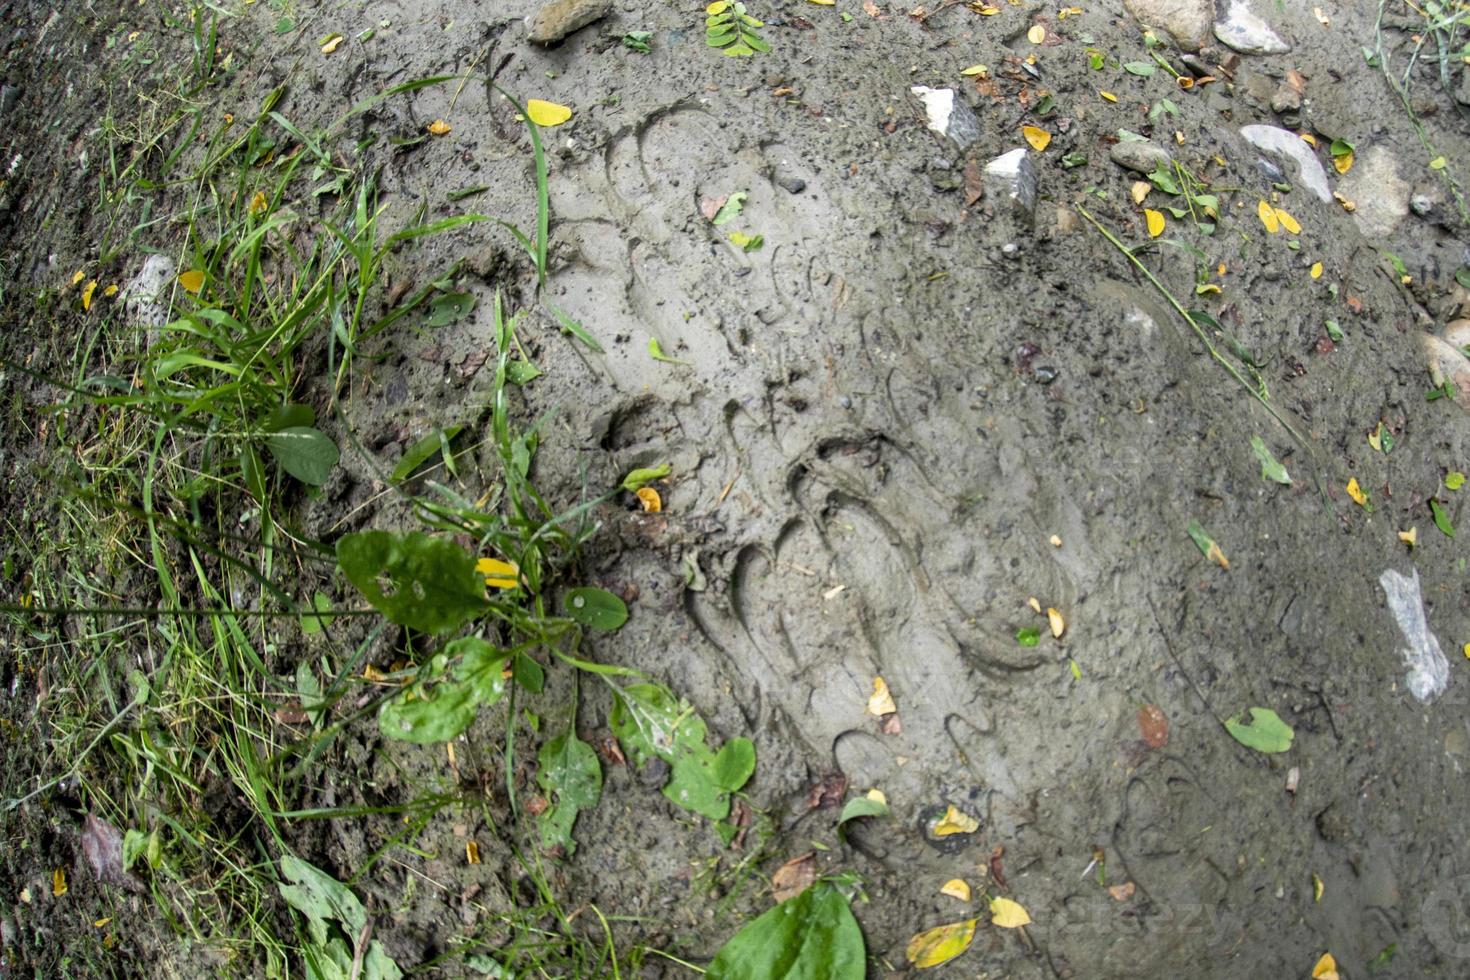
(904, 416)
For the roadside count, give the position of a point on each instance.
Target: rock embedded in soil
(556, 20)
(1144, 156)
(1012, 177)
(1457, 334)
(1447, 363)
(1187, 22)
(1286, 144)
(145, 297)
(948, 115)
(1241, 30)
(1381, 196)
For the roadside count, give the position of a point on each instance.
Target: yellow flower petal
(1058, 624)
(1326, 968)
(1356, 492)
(1039, 138)
(1343, 163)
(78, 276)
(1410, 537)
(1155, 221)
(87, 291)
(58, 883)
(547, 114)
(1268, 217)
(955, 821)
(499, 574)
(881, 703)
(1008, 914)
(956, 888)
(1108, 95)
(1316, 270)
(1287, 222)
(438, 128)
(941, 944)
(192, 281)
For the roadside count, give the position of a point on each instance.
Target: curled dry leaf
(1326, 968)
(1058, 624)
(941, 944)
(438, 128)
(956, 888)
(651, 501)
(794, 877)
(1154, 726)
(1121, 893)
(955, 821)
(890, 724)
(828, 792)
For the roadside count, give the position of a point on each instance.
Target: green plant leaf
(596, 608)
(734, 763)
(321, 898)
(521, 372)
(574, 328)
(1454, 480)
(1271, 468)
(448, 691)
(649, 722)
(1143, 69)
(418, 454)
(1028, 636)
(856, 809)
(319, 618)
(731, 209)
(529, 675)
(642, 477)
(1441, 518)
(415, 580)
(288, 416)
(252, 473)
(571, 779)
(1266, 732)
(810, 937)
(446, 308)
(306, 454)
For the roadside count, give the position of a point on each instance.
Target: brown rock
(556, 20)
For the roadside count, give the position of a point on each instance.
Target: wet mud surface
(903, 417)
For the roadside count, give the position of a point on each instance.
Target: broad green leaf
(1266, 732)
(521, 372)
(597, 608)
(939, 945)
(321, 898)
(810, 937)
(448, 691)
(306, 454)
(862, 806)
(418, 454)
(1441, 518)
(446, 308)
(289, 416)
(1207, 545)
(734, 763)
(1271, 468)
(528, 674)
(571, 779)
(648, 720)
(319, 617)
(731, 209)
(1142, 69)
(694, 784)
(415, 580)
(642, 477)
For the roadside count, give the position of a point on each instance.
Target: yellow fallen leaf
(823, 3)
(881, 703)
(1326, 968)
(438, 128)
(78, 276)
(58, 883)
(1039, 138)
(973, 70)
(1347, 205)
(1008, 914)
(1317, 887)
(87, 291)
(1036, 34)
(956, 888)
(1109, 96)
(332, 43)
(547, 114)
(651, 501)
(941, 944)
(110, 291)
(1309, 139)
(1438, 163)
(1034, 604)
(259, 203)
(877, 796)
(1356, 492)
(1343, 163)
(1375, 438)
(1287, 222)
(1155, 221)
(1268, 217)
(499, 574)
(1058, 624)
(101, 923)
(988, 11)
(192, 280)
(471, 852)
(1316, 270)
(371, 673)
(955, 821)
(1139, 190)
(1410, 537)
(1467, 651)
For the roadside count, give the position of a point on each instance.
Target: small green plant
(729, 27)
(638, 41)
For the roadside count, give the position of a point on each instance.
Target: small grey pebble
(1010, 248)
(793, 185)
(845, 402)
(1045, 374)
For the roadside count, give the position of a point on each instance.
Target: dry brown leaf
(794, 877)
(1121, 893)
(881, 702)
(1154, 725)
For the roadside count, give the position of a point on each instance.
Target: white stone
(1284, 143)
(948, 115)
(1380, 195)
(1245, 32)
(1186, 21)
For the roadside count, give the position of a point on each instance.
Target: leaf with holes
(415, 580)
(448, 691)
(571, 778)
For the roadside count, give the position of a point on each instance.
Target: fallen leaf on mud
(881, 703)
(1326, 968)
(110, 291)
(710, 206)
(1154, 725)
(498, 574)
(78, 276)
(1037, 34)
(730, 209)
(102, 843)
(331, 43)
(87, 291)
(1028, 636)
(1321, 17)
(438, 128)
(58, 883)
(1008, 914)
(1287, 222)
(1155, 221)
(1267, 214)
(1454, 480)
(1058, 624)
(1108, 95)
(794, 877)
(1139, 190)
(890, 724)
(1039, 138)
(1035, 604)
(610, 749)
(974, 70)
(651, 501)
(1207, 545)
(941, 944)
(1343, 162)
(828, 791)
(1356, 492)
(1265, 733)
(1316, 272)
(1410, 537)
(1441, 518)
(546, 114)
(956, 888)
(1317, 887)
(471, 852)
(997, 866)
(1121, 893)
(974, 182)
(192, 280)
(955, 821)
